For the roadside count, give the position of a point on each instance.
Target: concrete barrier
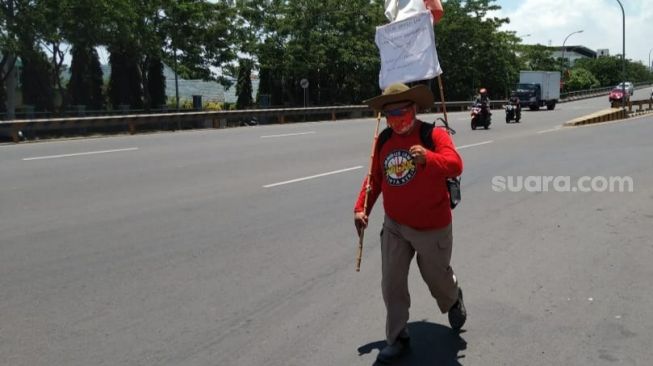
(605, 115)
(643, 106)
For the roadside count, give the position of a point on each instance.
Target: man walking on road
(417, 208)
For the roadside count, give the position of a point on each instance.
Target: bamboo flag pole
(444, 105)
(368, 188)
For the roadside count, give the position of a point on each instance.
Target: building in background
(211, 91)
(573, 53)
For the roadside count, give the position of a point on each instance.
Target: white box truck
(538, 89)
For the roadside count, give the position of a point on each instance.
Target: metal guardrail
(28, 112)
(640, 104)
(196, 119)
(580, 94)
(131, 122)
(589, 93)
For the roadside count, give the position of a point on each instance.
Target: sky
(550, 21)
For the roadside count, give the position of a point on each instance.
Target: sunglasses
(398, 111)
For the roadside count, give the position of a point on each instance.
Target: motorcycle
(513, 112)
(253, 121)
(481, 116)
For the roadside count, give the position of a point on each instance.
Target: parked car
(617, 94)
(630, 88)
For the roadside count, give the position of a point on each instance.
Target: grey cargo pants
(398, 246)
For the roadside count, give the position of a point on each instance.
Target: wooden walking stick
(368, 188)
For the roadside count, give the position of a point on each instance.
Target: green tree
(36, 80)
(201, 35)
(19, 21)
(581, 79)
(608, 70)
(538, 57)
(473, 52)
(3, 98)
(125, 83)
(85, 24)
(50, 36)
(53, 25)
(330, 43)
(191, 34)
(334, 49)
(85, 85)
(244, 84)
(637, 71)
(156, 83)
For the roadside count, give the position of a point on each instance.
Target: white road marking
(288, 134)
(557, 128)
(312, 177)
(80, 154)
(472, 145)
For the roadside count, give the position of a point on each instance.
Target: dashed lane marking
(288, 134)
(80, 154)
(312, 177)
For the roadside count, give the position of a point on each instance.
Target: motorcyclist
(482, 96)
(483, 100)
(514, 100)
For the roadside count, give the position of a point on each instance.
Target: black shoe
(458, 313)
(394, 351)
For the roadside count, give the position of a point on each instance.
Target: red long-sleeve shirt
(413, 195)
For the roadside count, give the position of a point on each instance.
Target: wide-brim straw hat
(399, 92)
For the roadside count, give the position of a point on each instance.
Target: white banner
(407, 50)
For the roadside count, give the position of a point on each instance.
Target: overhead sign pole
(304, 84)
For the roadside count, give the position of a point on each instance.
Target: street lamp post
(563, 47)
(623, 56)
(649, 60)
(563, 55)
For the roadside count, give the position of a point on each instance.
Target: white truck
(538, 88)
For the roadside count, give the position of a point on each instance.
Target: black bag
(425, 135)
(453, 185)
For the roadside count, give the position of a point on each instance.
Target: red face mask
(401, 120)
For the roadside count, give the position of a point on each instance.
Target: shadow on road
(430, 344)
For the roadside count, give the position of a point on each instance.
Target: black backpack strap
(426, 135)
(450, 130)
(453, 183)
(383, 137)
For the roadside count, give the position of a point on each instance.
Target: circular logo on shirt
(399, 167)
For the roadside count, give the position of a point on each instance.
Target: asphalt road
(237, 247)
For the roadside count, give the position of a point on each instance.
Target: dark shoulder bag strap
(453, 183)
(426, 135)
(383, 137)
